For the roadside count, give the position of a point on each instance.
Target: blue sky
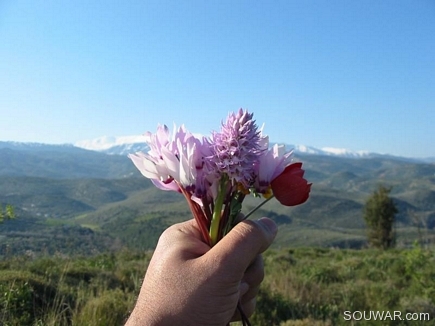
(348, 74)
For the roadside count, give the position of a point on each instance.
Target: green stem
(217, 212)
(253, 211)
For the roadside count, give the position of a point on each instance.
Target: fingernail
(269, 225)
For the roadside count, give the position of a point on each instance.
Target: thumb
(243, 243)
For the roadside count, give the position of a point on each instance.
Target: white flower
(170, 162)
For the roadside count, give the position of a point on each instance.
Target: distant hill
(72, 200)
(60, 161)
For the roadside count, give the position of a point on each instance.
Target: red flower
(290, 188)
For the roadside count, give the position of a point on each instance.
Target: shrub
(379, 215)
(109, 308)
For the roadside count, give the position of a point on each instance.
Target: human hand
(189, 283)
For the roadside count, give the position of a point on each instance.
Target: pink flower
(271, 164)
(171, 162)
(236, 148)
(290, 188)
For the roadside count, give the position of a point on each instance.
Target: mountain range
(129, 144)
(69, 199)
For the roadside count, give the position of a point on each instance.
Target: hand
(189, 283)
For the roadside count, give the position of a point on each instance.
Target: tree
(379, 215)
(8, 213)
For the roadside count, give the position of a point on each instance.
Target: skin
(189, 283)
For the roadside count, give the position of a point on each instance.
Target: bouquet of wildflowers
(216, 173)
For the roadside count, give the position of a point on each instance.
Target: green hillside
(70, 200)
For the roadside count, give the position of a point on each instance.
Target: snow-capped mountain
(331, 151)
(115, 145)
(130, 144)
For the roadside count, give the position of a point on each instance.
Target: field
(303, 286)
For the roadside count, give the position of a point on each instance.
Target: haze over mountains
(73, 200)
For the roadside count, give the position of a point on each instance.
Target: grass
(303, 286)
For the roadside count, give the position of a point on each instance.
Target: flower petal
(290, 188)
(144, 165)
(170, 186)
